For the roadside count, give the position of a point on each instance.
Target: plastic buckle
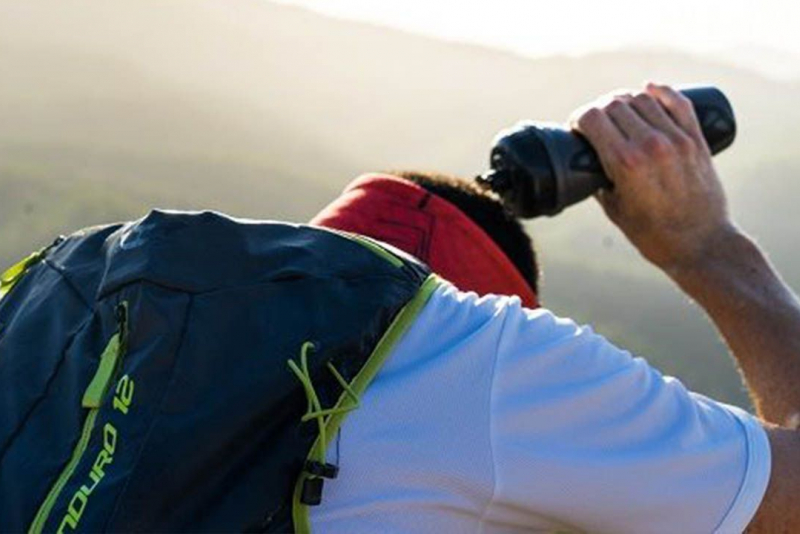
(311, 494)
(322, 470)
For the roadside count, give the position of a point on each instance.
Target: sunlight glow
(574, 27)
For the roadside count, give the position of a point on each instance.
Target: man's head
(461, 230)
(485, 210)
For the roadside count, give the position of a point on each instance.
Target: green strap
(14, 273)
(349, 398)
(377, 249)
(370, 244)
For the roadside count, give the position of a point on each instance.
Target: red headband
(403, 214)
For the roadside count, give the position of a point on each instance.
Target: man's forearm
(757, 314)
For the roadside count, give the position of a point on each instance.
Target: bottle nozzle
(498, 181)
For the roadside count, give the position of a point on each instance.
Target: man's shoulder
(462, 313)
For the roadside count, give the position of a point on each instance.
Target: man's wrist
(726, 251)
(731, 273)
(722, 247)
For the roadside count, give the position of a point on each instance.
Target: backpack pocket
(92, 399)
(119, 402)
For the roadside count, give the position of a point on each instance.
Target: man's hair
(486, 210)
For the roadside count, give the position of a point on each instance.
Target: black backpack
(186, 371)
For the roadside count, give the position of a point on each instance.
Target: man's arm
(669, 202)
(758, 316)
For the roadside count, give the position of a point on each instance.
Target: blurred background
(266, 110)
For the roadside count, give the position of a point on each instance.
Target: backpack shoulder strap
(349, 398)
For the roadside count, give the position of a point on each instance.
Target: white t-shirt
(489, 417)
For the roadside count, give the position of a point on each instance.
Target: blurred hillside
(108, 109)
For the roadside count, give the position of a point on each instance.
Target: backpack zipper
(47, 506)
(92, 399)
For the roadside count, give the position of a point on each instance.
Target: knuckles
(684, 145)
(644, 100)
(682, 100)
(682, 104)
(630, 158)
(589, 117)
(656, 145)
(615, 106)
(655, 148)
(652, 148)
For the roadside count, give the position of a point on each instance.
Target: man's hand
(667, 198)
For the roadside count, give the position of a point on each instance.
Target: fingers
(627, 119)
(654, 113)
(657, 124)
(622, 137)
(601, 132)
(680, 109)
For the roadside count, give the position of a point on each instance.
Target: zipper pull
(109, 361)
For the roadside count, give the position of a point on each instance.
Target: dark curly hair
(485, 210)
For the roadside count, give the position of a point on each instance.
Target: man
(497, 417)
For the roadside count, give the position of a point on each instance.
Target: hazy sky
(761, 33)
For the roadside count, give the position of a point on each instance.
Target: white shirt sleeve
(593, 439)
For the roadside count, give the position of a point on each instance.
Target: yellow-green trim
(359, 384)
(93, 396)
(377, 249)
(13, 274)
(47, 506)
(370, 244)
